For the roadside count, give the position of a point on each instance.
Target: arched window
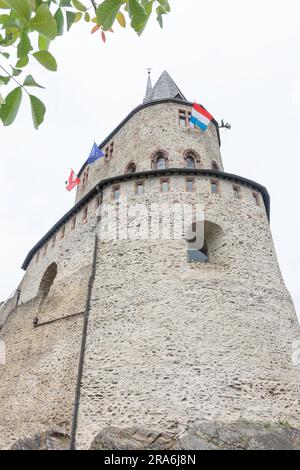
(205, 243)
(47, 280)
(131, 168)
(160, 162)
(198, 256)
(190, 161)
(215, 166)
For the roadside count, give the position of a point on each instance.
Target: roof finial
(149, 85)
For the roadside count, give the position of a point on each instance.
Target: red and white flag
(73, 181)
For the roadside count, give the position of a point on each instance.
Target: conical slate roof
(164, 88)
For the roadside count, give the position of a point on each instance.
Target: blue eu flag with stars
(95, 154)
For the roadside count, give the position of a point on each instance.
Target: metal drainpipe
(84, 336)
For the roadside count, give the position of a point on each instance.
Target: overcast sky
(239, 59)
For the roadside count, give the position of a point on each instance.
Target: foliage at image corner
(28, 28)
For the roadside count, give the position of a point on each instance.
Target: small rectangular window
(53, 240)
(237, 192)
(97, 201)
(190, 185)
(256, 199)
(140, 189)
(73, 223)
(182, 118)
(45, 249)
(37, 257)
(85, 214)
(62, 233)
(164, 186)
(214, 187)
(109, 150)
(116, 193)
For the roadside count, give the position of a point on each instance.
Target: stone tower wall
(168, 341)
(38, 380)
(172, 342)
(151, 129)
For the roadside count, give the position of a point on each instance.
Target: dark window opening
(164, 186)
(182, 118)
(215, 166)
(214, 187)
(236, 192)
(140, 189)
(198, 256)
(256, 199)
(131, 168)
(116, 193)
(48, 279)
(205, 243)
(190, 162)
(161, 163)
(190, 186)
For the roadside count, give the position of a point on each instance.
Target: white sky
(239, 59)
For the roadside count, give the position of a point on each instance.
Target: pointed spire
(149, 86)
(164, 88)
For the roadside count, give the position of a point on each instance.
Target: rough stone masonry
(132, 342)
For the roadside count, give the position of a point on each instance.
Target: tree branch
(94, 5)
(11, 76)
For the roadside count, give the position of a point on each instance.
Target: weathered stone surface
(52, 439)
(168, 341)
(201, 436)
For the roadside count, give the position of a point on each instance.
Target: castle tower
(156, 304)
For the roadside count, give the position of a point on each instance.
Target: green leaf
(165, 6)
(24, 45)
(87, 17)
(5, 54)
(138, 15)
(65, 3)
(37, 110)
(43, 43)
(21, 7)
(60, 21)
(72, 18)
(79, 6)
(30, 81)
(4, 19)
(3, 4)
(15, 72)
(9, 110)
(44, 23)
(121, 19)
(22, 62)
(12, 34)
(4, 80)
(46, 59)
(107, 13)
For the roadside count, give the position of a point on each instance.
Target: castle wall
(38, 380)
(149, 130)
(170, 342)
(37, 384)
(73, 255)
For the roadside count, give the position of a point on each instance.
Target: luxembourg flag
(200, 117)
